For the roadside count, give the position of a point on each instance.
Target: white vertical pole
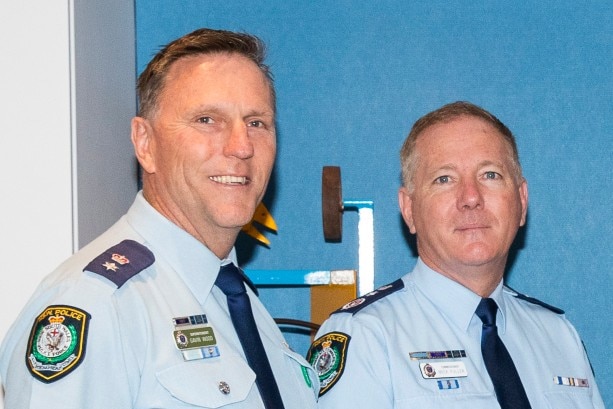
(366, 244)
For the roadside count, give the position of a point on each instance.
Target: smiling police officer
(138, 318)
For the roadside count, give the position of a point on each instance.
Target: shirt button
(224, 388)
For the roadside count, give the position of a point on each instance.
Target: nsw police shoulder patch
(327, 356)
(57, 342)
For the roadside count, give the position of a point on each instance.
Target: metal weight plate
(332, 203)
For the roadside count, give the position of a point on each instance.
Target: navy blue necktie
(231, 281)
(507, 384)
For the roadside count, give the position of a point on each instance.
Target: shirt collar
(454, 300)
(191, 259)
(501, 318)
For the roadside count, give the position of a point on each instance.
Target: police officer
(134, 319)
(450, 334)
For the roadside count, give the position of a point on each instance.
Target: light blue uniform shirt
(132, 359)
(387, 366)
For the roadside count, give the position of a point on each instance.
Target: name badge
(446, 369)
(194, 337)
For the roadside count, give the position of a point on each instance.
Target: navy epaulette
(535, 301)
(122, 262)
(367, 299)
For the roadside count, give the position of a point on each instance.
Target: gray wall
(104, 103)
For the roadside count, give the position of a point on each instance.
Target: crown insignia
(58, 319)
(120, 259)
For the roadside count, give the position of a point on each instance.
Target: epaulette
(534, 301)
(369, 298)
(122, 262)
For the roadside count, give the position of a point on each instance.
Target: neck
(220, 241)
(482, 280)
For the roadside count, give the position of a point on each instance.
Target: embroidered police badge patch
(327, 356)
(57, 342)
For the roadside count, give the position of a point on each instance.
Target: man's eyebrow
(257, 112)
(486, 163)
(444, 167)
(219, 109)
(206, 108)
(452, 167)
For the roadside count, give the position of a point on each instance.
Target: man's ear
(141, 136)
(523, 197)
(406, 208)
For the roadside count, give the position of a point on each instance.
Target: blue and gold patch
(327, 356)
(57, 342)
(122, 262)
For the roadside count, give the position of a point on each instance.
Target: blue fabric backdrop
(351, 79)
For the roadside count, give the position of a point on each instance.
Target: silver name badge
(446, 369)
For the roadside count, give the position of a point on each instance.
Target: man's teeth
(231, 180)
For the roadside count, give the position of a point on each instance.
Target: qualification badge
(57, 342)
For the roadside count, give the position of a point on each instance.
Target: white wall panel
(35, 148)
(67, 171)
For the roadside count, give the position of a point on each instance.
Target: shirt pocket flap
(209, 384)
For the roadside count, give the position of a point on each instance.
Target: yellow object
(261, 216)
(328, 298)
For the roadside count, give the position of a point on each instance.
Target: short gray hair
(447, 113)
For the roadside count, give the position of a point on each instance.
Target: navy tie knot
(230, 280)
(486, 311)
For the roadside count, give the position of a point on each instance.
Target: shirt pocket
(455, 400)
(209, 384)
(569, 399)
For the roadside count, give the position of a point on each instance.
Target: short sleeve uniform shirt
(161, 339)
(417, 345)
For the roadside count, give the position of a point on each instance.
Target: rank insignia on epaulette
(57, 342)
(532, 300)
(369, 298)
(122, 262)
(327, 356)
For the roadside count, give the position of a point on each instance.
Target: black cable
(298, 323)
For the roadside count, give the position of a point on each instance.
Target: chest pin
(224, 388)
